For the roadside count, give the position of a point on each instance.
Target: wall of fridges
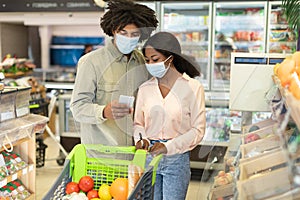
(209, 32)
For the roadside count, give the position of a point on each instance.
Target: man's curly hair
(123, 12)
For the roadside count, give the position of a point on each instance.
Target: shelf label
(30, 168)
(7, 115)
(2, 162)
(22, 111)
(14, 177)
(3, 182)
(24, 171)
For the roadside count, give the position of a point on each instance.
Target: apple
(251, 137)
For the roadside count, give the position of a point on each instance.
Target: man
(106, 73)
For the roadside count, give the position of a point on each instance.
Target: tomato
(92, 194)
(72, 187)
(86, 183)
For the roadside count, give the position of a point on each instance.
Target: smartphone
(129, 100)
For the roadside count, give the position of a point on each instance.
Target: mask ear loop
(169, 62)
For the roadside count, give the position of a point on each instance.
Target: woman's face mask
(158, 69)
(126, 44)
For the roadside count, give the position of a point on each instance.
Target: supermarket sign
(48, 6)
(68, 5)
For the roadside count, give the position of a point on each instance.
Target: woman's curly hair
(123, 12)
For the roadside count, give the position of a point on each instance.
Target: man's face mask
(126, 44)
(158, 69)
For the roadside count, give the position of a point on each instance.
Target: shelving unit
(260, 164)
(281, 39)
(18, 135)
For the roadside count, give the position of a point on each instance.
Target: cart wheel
(60, 162)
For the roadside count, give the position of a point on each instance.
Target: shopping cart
(104, 164)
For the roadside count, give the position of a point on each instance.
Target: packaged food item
(278, 35)
(13, 163)
(1, 81)
(196, 36)
(22, 191)
(134, 174)
(274, 17)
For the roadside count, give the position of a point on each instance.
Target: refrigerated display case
(237, 27)
(68, 128)
(281, 38)
(190, 23)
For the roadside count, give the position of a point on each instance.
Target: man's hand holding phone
(119, 109)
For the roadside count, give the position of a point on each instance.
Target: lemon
(104, 193)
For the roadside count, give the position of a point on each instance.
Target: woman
(170, 114)
(108, 72)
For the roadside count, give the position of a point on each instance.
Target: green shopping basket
(104, 164)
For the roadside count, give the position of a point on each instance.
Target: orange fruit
(285, 70)
(119, 189)
(104, 192)
(294, 87)
(296, 58)
(275, 68)
(298, 70)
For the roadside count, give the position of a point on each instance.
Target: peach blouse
(179, 117)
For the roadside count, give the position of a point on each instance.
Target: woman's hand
(116, 110)
(158, 148)
(142, 144)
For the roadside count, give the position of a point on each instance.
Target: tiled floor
(47, 175)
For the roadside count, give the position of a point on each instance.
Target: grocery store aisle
(47, 175)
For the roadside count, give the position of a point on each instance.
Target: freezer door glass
(281, 38)
(238, 27)
(190, 23)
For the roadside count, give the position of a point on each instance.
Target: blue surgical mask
(158, 69)
(126, 44)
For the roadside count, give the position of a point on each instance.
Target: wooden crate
(262, 164)
(260, 146)
(260, 124)
(222, 191)
(245, 160)
(294, 105)
(263, 132)
(267, 185)
(292, 194)
(263, 145)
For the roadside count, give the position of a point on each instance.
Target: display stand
(18, 136)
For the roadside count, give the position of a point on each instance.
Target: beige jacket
(102, 76)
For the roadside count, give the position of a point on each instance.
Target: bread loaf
(134, 174)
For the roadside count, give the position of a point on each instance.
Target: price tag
(14, 176)
(22, 111)
(24, 171)
(30, 168)
(3, 182)
(7, 115)
(2, 162)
